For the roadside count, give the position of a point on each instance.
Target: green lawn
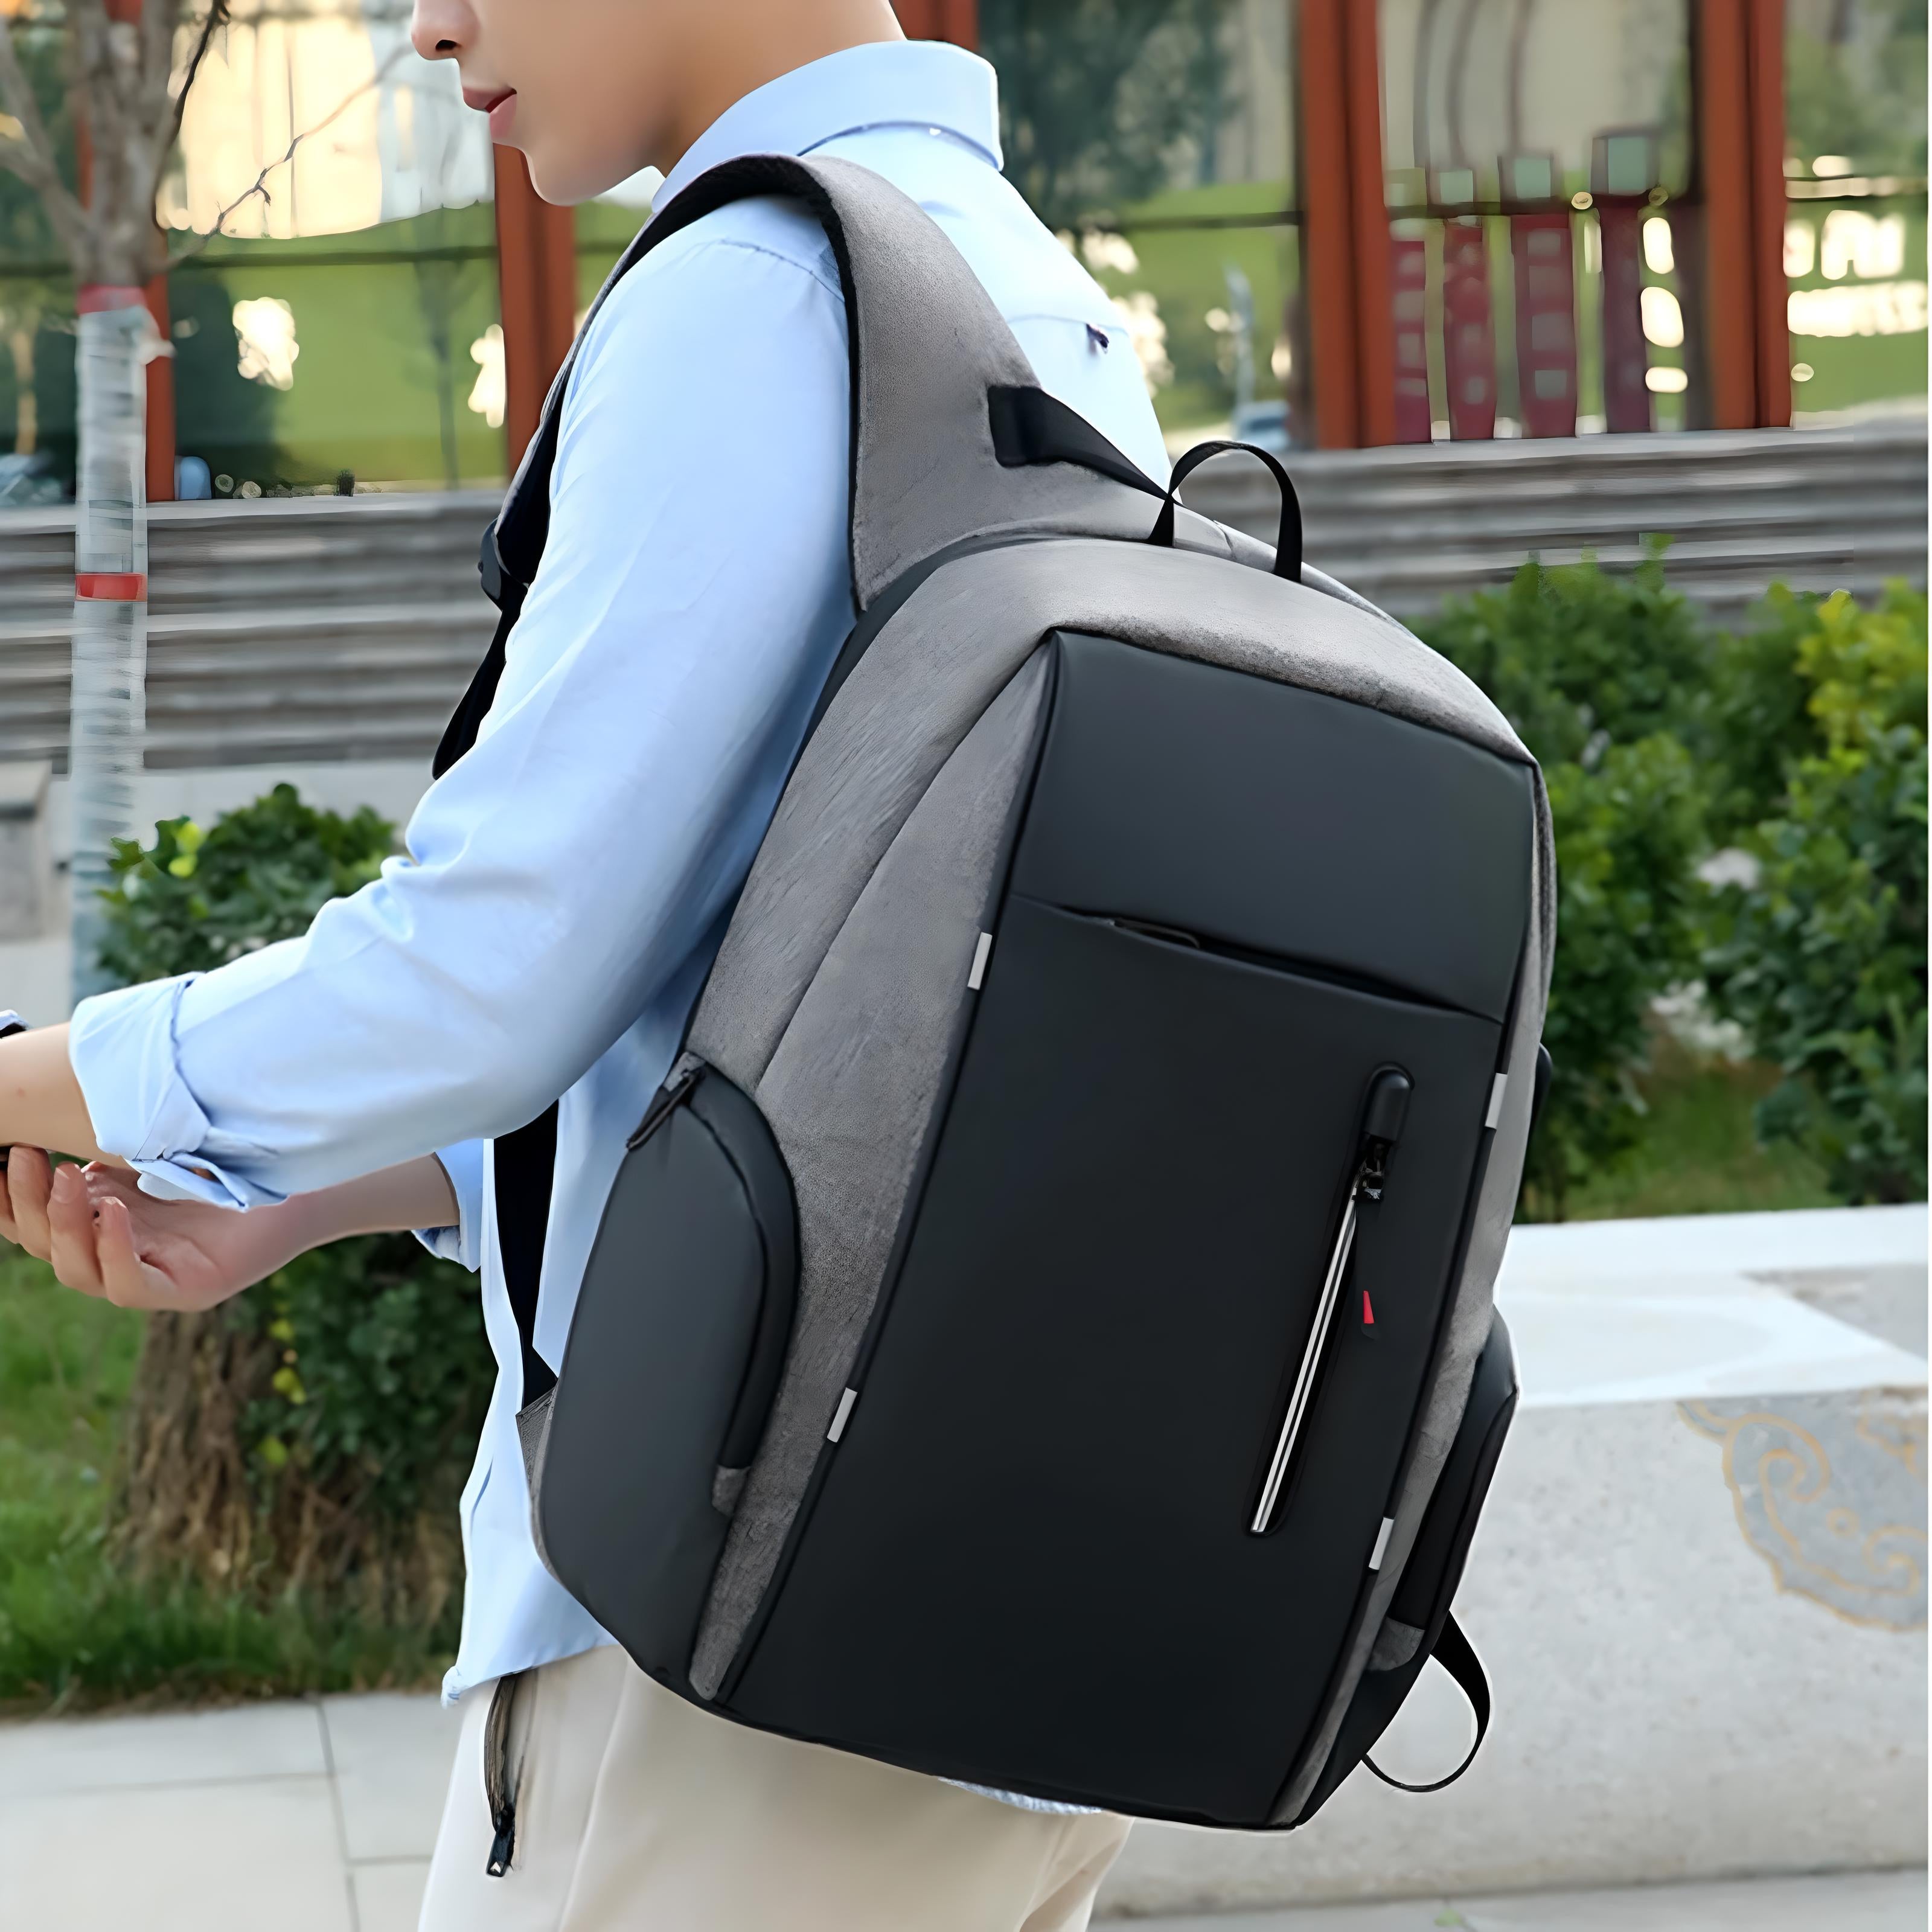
(1699, 1155)
(75, 1632)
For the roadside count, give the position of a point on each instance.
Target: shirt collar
(884, 84)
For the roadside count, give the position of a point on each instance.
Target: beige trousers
(637, 1812)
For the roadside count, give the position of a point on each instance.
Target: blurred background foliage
(261, 1498)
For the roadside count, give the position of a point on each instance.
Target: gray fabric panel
(1469, 1318)
(533, 1439)
(1396, 1643)
(726, 1486)
(931, 343)
(849, 1093)
(931, 670)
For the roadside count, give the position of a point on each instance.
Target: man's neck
(748, 45)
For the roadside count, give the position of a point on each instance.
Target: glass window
(1540, 184)
(1157, 137)
(36, 386)
(1855, 217)
(344, 317)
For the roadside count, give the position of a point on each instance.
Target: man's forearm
(41, 1104)
(414, 1194)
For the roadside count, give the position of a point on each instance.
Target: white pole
(110, 604)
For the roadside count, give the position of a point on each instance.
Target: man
(566, 886)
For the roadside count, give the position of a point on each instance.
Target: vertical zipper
(678, 1085)
(1382, 1127)
(499, 1783)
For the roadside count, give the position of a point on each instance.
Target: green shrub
(1822, 958)
(310, 1435)
(1600, 676)
(194, 900)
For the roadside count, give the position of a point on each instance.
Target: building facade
(1329, 222)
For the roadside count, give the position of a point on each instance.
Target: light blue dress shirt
(566, 883)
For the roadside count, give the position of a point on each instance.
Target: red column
(1369, 195)
(536, 270)
(160, 401)
(1722, 71)
(1627, 405)
(1327, 231)
(1408, 277)
(1468, 330)
(1764, 26)
(1546, 322)
(955, 20)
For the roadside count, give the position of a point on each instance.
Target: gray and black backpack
(1041, 1334)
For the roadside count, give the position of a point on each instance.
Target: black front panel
(1244, 1006)
(1283, 821)
(1030, 1562)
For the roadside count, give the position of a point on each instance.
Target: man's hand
(105, 1237)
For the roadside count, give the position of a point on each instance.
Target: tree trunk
(110, 604)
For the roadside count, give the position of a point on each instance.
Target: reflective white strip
(1381, 1538)
(1496, 1092)
(845, 1402)
(979, 952)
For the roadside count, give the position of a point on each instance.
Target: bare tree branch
(260, 186)
(169, 132)
(31, 156)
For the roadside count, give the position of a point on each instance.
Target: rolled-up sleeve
(562, 872)
(462, 1241)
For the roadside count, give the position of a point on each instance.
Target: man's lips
(498, 103)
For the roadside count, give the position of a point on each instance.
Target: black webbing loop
(1287, 538)
(1030, 427)
(526, 1164)
(1454, 1652)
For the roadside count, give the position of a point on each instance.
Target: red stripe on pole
(111, 586)
(95, 296)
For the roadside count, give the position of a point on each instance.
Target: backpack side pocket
(675, 1350)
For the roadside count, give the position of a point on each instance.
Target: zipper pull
(678, 1083)
(504, 1844)
(1382, 1127)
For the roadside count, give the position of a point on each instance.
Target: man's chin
(565, 179)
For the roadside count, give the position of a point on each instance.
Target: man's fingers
(126, 1279)
(29, 1179)
(9, 1228)
(70, 1222)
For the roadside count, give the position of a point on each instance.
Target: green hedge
(341, 1397)
(1796, 745)
(1822, 956)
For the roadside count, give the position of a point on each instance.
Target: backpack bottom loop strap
(1455, 1654)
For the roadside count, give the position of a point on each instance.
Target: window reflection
(1539, 164)
(1157, 137)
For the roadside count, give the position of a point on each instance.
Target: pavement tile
(1404, 1914)
(253, 1740)
(1841, 1902)
(230, 1857)
(389, 1897)
(391, 1756)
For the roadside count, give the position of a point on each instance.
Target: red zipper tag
(1368, 1310)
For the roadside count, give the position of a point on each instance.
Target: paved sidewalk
(1846, 1902)
(319, 1816)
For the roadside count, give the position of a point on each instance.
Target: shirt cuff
(464, 1243)
(121, 1047)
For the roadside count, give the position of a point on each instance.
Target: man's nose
(440, 29)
